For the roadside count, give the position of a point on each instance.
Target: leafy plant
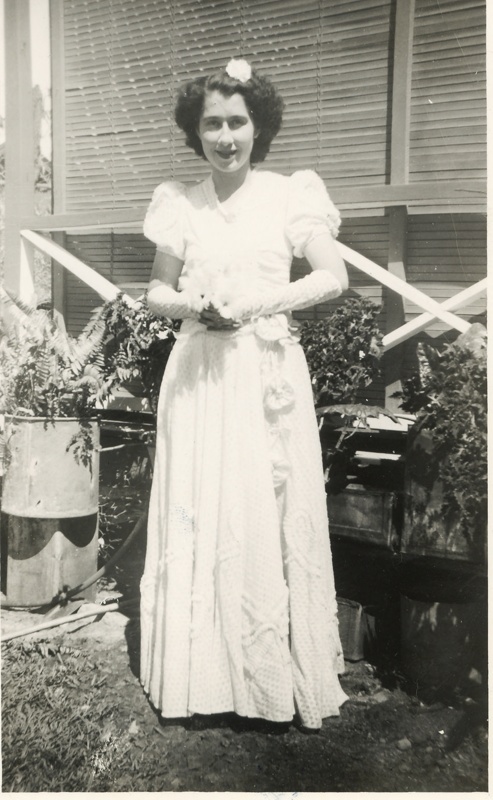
(44, 371)
(347, 421)
(124, 490)
(449, 398)
(47, 372)
(137, 347)
(343, 352)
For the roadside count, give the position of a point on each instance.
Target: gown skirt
(238, 609)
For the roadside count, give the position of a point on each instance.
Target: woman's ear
(257, 131)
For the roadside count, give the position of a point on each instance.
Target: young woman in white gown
(238, 609)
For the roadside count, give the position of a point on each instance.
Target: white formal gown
(238, 608)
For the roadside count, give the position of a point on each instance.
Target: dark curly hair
(262, 99)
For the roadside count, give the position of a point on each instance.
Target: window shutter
(448, 114)
(124, 60)
(117, 78)
(332, 61)
(446, 253)
(355, 74)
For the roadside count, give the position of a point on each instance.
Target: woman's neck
(226, 185)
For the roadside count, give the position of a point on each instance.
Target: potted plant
(443, 584)
(134, 358)
(343, 352)
(446, 473)
(54, 388)
(49, 389)
(137, 348)
(363, 501)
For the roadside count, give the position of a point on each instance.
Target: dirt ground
(75, 718)
(384, 740)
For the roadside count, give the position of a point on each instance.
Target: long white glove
(164, 301)
(315, 287)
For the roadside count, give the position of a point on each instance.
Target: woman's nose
(225, 134)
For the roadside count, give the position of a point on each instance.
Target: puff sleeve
(310, 210)
(164, 220)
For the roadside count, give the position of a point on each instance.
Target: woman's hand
(213, 319)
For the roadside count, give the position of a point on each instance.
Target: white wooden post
(19, 147)
(399, 174)
(394, 303)
(57, 45)
(25, 290)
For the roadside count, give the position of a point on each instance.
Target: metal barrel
(49, 507)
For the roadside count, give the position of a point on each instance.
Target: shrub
(342, 351)
(137, 348)
(44, 371)
(449, 398)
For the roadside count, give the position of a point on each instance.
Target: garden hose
(64, 596)
(96, 610)
(138, 527)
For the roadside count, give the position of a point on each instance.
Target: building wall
(121, 62)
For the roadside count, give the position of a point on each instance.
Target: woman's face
(227, 132)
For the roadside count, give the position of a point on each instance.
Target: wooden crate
(365, 515)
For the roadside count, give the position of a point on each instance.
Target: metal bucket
(49, 507)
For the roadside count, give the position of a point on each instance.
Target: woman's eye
(216, 124)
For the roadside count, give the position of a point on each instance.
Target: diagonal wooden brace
(402, 287)
(97, 282)
(420, 323)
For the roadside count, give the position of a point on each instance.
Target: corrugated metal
(446, 253)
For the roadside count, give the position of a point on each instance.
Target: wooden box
(365, 515)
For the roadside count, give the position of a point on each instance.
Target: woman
(238, 602)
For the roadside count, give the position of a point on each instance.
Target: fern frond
(27, 308)
(19, 317)
(85, 382)
(89, 344)
(99, 360)
(10, 312)
(61, 344)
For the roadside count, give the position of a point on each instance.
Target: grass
(64, 723)
(78, 720)
(58, 727)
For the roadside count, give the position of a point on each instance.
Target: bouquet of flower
(217, 283)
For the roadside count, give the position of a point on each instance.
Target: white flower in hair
(239, 69)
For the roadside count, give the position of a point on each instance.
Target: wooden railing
(431, 308)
